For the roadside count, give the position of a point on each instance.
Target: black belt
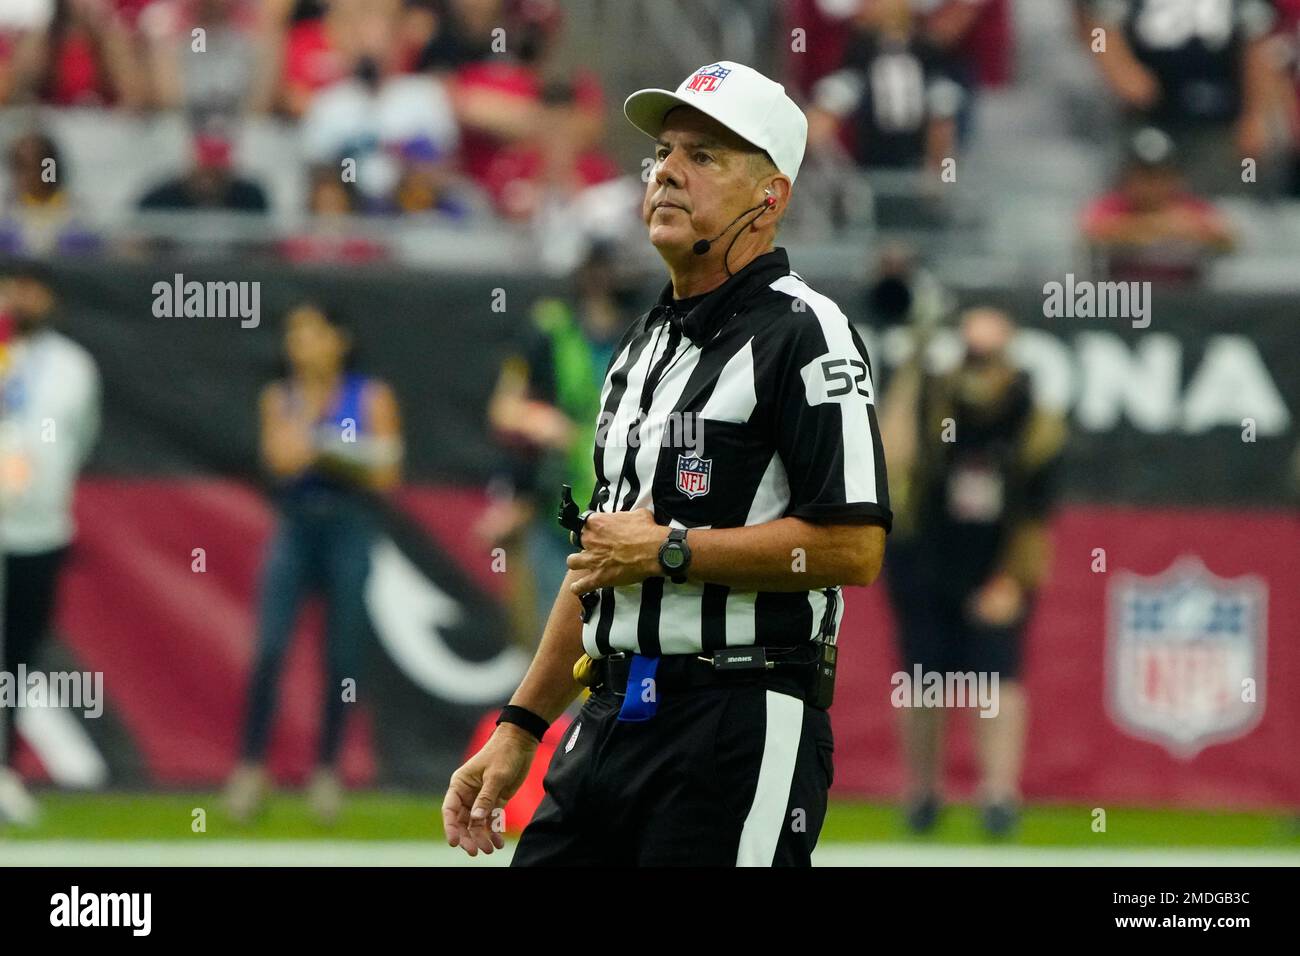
(789, 669)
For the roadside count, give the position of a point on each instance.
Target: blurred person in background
(1202, 71)
(977, 35)
(904, 293)
(448, 33)
(82, 57)
(974, 463)
(49, 421)
(17, 19)
(563, 158)
(210, 184)
(304, 47)
(499, 97)
(312, 44)
(427, 184)
(371, 115)
(330, 438)
(219, 78)
(330, 235)
(544, 413)
(891, 102)
(40, 216)
(1287, 49)
(976, 38)
(1150, 227)
(826, 28)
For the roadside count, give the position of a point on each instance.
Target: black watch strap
(676, 536)
(525, 718)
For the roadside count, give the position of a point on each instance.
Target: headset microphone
(703, 245)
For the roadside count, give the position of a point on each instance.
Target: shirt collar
(702, 321)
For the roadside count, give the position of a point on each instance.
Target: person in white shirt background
(49, 420)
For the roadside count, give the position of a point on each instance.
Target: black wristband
(525, 718)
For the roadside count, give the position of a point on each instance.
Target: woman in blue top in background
(329, 438)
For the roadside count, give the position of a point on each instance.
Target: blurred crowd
(1200, 101)
(443, 107)
(461, 110)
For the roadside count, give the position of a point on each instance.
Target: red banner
(175, 645)
(1082, 746)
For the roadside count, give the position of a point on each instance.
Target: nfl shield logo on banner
(1185, 656)
(693, 475)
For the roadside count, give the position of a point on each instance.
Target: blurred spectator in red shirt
(1151, 227)
(209, 184)
(219, 77)
(306, 50)
(498, 100)
(557, 164)
(313, 44)
(40, 215)
(891, 102)
(83, 57)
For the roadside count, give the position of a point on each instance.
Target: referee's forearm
(548, 687)
(788, 554)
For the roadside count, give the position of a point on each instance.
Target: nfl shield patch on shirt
(693, 475)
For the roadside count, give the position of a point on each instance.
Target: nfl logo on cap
(708, 78)
(741, 99)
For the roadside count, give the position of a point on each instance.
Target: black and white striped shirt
(754, 405)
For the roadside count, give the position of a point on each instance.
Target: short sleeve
(825, 425)
(838, 94)
(1041, 456)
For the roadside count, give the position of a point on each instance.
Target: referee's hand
(481, 788)
(618, 547)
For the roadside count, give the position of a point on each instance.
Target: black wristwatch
(675, 555)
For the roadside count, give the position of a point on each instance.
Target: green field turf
(396, 817)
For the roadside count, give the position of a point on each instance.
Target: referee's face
(702, 178)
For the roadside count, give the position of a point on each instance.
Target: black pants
(30, 583)
(935, 629)
(720, 776)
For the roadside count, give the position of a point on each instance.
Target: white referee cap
(741, 99)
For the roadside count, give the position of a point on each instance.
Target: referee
(740, 482)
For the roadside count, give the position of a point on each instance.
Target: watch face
(673, 557)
